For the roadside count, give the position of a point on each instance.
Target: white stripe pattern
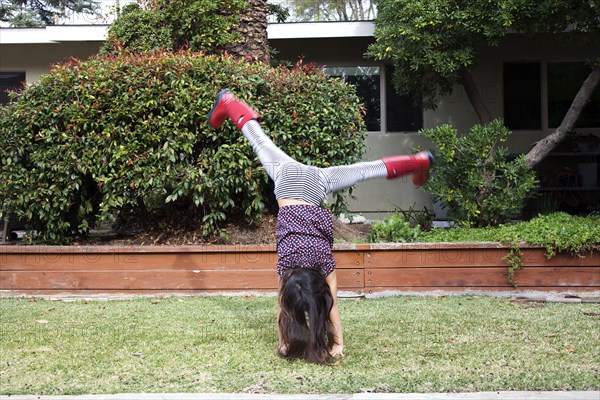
(294, 180)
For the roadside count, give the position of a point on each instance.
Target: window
(522, 96)
(401, 111)
(366, 81)
(401, 114)
(564, 81)
(523, 100)
(10, 81)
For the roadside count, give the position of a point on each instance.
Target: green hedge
(128, 134)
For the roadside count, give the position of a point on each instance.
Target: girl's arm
(334, 316)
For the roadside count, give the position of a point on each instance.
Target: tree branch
(475, 97)
(547, 144)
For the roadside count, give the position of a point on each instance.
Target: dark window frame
(10, 80)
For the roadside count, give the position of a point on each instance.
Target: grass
(223, 344)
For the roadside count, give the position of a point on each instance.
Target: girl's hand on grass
(337, 351)
(282, 348)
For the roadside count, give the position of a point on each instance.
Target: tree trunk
(475, 97)
(253, 28)
(484, 118)
(547, 144)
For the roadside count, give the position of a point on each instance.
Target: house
(528, 82)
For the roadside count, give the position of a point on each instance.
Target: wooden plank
(558, 276)
(126, 294)
(350, 279)
(482, 277)
(139, 261)
(349, 259)
(240, 260)
(435, 258)
(435, 290)
(156, 280)
(435, 277)
(138, 280)
(471, 258)
(536, 258)
(83, 295)
(231, 268)
(203, 248)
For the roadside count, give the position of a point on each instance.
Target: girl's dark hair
(304, 326)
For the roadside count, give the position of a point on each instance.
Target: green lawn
(223, 344)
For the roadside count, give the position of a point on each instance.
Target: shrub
(394, 229)
(127, 134)
(558, 232)
(474, 179)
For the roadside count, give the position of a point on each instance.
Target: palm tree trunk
(253, 27)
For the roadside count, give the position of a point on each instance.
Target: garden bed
(362, 269)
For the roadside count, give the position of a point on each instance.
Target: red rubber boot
(416, 164)
(229, 106)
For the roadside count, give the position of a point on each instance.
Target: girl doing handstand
(309, 321)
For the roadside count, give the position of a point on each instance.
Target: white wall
(36, 59)
(376, 198)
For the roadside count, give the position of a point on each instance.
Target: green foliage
(203, 25)
(430, 41)
(394, 229)
(127, 134)
(473, 177)
(558, 16)
(557, 232)
(279, 11)
(423, 218)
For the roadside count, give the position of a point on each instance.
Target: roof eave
(97, 33)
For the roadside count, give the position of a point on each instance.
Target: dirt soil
(260, 234)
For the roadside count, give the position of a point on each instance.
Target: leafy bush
(173, 25)
(473, 177)
(558, 232)
(423, 217)
(128, 135)
(394, 229)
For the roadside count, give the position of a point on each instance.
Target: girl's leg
(246, 119)
(344, 176)
(293, 180)
(271, 157)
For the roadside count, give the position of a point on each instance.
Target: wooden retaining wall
(363, 269)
